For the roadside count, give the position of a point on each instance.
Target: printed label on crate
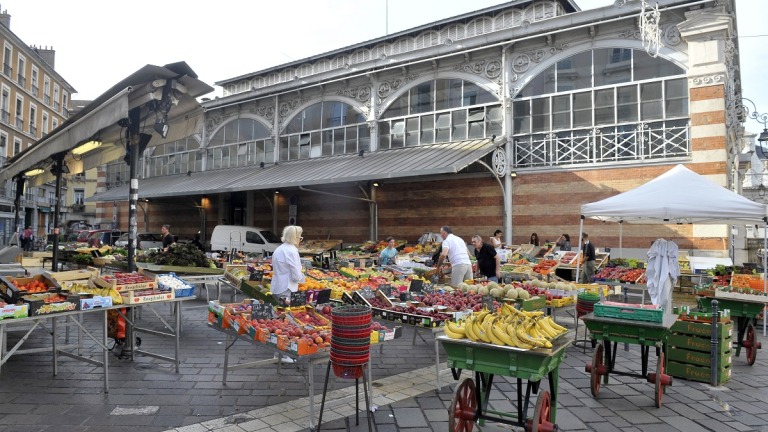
(95, 302)
(137, 298)
(14, 311)
(56, 307)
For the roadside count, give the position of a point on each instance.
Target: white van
(243, 238)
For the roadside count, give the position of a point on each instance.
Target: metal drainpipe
(370, 201)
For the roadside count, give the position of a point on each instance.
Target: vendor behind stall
(488, 261)
(389, 253)
(456, 251)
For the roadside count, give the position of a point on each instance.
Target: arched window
(440, 111)
(240, 142)
(325, 129)
(602, 105)
(175, 157)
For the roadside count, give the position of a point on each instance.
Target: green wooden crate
(737, 308)
(698, 373)
(702, 329)
(488, 359)
(532, 304)
(630, 313)
(698, 343)
(259, 292)
(697, 357)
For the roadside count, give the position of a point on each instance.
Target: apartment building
(34, 100)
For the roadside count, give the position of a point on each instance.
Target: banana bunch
(508, 326)
(91, 288)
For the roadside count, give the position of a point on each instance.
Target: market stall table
(56, 350)
(745, 314)
(644, 333)
(470, 400)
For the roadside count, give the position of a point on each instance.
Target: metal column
(57, 211)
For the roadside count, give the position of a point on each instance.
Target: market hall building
(509, 117)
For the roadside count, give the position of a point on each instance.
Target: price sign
(416, 285)
(386, 289)
(406, 296)
(506, 279)
(640, 265)
(282, 302)
(488, 302)
(428, 288)
(434, 279)
(256, 275)
(323, 296)
(262, 311)
(366, 292)
(356, 263)
(298, 298)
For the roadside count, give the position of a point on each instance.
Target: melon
(551, 286)
(463, 287)
(560, 286)
(483, 290)
(491, 285)
(573, 287)
(497, 292)
(508, 287)
(523, 294)
(535, 283)
(512, 293)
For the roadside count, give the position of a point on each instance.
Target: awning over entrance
(446, 158)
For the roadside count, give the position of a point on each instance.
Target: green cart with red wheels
(470, 399)
(745, 313)
(612, 331)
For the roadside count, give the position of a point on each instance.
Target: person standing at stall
(588, 251)
(534, 239)
(496, 241)
(488, 261)
(455, 249)
(564, 242)
(286, 268)
(168, 240)
(388, 254)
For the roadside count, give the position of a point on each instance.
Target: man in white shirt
(455, 249)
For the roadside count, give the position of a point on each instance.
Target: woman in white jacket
(286, 268)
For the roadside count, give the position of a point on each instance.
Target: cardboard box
(90, 301)
(532, 304)
(231, 278)
(121, 285)
(38, 305)
(146, 296)
(697, 358)
(14, 311)
(701, 329)
(50, 283)
(698, 343)
(697, 373)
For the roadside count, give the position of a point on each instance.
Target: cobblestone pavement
(147, 395)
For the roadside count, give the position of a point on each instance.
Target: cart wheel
(542, 415)
(461, 413)
(750, 345)
(597, 363)
(659, 379)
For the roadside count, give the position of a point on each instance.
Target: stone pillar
(707, 32)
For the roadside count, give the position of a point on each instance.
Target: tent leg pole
(765, 262)
(578, 257)
(621, 237)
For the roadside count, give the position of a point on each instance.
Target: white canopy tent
(679, 196)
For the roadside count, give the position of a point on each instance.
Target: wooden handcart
(470, 399)
(644, 333)
(745, 313)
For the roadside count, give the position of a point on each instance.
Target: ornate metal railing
(636, 142)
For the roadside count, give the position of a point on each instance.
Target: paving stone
(409, 418)
(436, 415)
(567, 421)
(586, 415)
(637, 417)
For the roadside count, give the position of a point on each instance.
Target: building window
(33, 120)
(52, 198)
(240, 142)
(56, 97)
(5, 105)
(64, 104)
(325, 129)
(21, 72)
(35, 89)
(47, 91)
(79, 196)
(16, 146)
(3, 144)
(45, 123)
(602, 105)
(55, 123)
(440, 111)
(7, 68)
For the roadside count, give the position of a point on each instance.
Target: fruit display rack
(643, 333)
(745, 314)
(470, 400)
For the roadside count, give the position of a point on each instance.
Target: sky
(98, 43)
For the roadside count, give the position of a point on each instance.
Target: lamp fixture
(261, 165)
(34, 172)
(85, 148)
(376, 184)
(761, 191)
(361, 153)
(763, 135)
(277, 191)
(513, 174)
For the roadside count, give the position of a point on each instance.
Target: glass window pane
(582, 109)
(442, 94)
(398, 108)
(604, 107)
(427, 129)
(225, 153)
(540, 114)
(575, 72)
(338, 141)
(384, 135)
(294, 126)
(293, 147)
(421, 98)
(316, 141)
(217, 139)
(312, 117)
(353, 116)
(647, 67)
(459, 123)
(476, 130)
(561, 112)
(398, 133)
(443, 127)
(192, 144)
(676, 98)
(455, 95)
(259, 132)
(363, 137)
(258, 156)
(650, 97)
(351, 140)
(245, 130)
(216, 159)
(304, 151)
(474, 95)
(522, 117)
(328, 143)
(230, 132)
(493, 121)
(626, 98)
(412, 131)
(283, 149)
(332, 114)
(242, 150)
(612, 66)
(269, 151)
(542, 83)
